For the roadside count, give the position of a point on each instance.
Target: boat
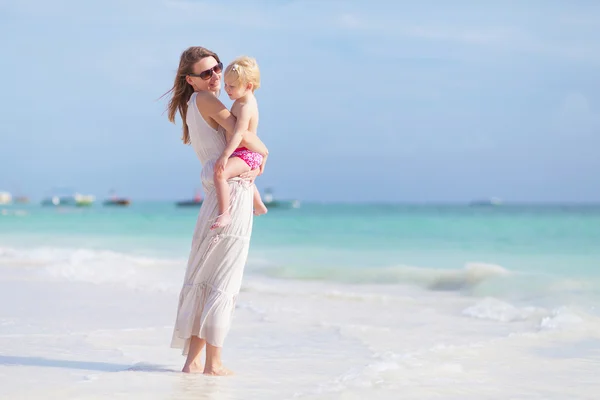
(5, 198)
(63, 199)
(270, 201)
(114, 200)
(84, 200)
(491, 202)
(117, 202)
(195, 202)
(21, 199)
(58, 201)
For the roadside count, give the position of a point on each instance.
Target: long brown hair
(181, 90)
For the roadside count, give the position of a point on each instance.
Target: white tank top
(207, 142)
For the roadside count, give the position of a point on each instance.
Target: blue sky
(360, 101)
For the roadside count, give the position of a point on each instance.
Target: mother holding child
(231, 155)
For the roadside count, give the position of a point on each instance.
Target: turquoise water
(386, 298)
(537, 246)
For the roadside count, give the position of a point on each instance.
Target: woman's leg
(214, 365)
(192, 362)
(235, 166)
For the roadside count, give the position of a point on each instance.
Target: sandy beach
(71, 335)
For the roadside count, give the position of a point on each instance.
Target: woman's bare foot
(260, 209)
(193, 368)
(222, 220)
(217, 371)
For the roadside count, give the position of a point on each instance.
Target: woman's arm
(216, 110)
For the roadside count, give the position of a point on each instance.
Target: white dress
(217, 258)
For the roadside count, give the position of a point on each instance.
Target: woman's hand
(250, 175)
(262, 166)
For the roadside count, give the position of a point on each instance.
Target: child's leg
(259, 206)
(235, 166)
(222, 188)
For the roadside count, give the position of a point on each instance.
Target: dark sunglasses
(204, 75)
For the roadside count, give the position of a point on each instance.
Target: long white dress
(217, 258)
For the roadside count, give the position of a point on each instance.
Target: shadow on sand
(83, 365)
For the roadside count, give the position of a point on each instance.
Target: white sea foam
(498, 310)
(562, 318)
(98, 267)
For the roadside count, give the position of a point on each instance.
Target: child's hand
(221, 164)
(262, 166)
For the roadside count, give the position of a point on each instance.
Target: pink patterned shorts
(251, 158)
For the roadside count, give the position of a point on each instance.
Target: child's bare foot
(222, 220)
(260, 209)
(217, 371)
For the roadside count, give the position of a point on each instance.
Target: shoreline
(314, 340)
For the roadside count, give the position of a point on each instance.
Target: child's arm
(233, 140)
(241, 126)
(223, 117)
(216, 110)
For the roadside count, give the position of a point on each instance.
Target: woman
(217, 257)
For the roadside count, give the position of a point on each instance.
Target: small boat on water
(76, 200)
(117, 202)
(492, 201)
(5, 198)
(114, 200)
(84, 200)
(270, 201)
(21, 199)
(17, 197)
(58, 201)
(195, 202)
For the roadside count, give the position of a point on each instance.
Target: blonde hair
(243, 70)
(181, 90)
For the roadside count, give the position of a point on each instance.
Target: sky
(429, 101)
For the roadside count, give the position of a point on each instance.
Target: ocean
(338, 301)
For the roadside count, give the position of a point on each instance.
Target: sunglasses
(204, 75)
